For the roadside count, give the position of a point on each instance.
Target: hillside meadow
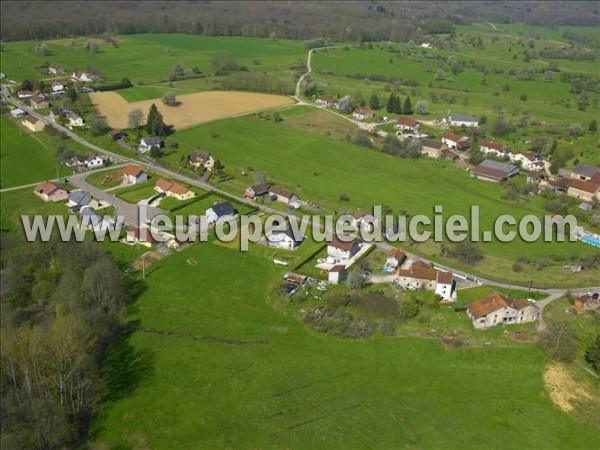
(147, 58)
(217, 367)
(27, 158)
(318, 168)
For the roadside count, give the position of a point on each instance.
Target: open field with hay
(193, 109)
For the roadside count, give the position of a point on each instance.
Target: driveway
(131, 213)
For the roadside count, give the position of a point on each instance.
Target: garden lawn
(217, 367)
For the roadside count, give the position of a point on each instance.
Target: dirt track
(193, 108)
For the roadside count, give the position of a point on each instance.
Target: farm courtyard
(193, 109)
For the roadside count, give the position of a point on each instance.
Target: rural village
(141, 149)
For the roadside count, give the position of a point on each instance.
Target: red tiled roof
(163, 184)
(452, 136)
(419, 270)
(134, 171)
(444, 277)
(362, 110)
(494, 145)
(487, 305)
(167, 186)
(342, 245)
(586, 186)
(328, 98)
(406, 122)
(46, 187)
(397, 253)
(142, 235)
(281, 192)
(338, 268)
(447, 153)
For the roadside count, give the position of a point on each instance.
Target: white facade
(57, 86)
(281, 239)
(458, 121)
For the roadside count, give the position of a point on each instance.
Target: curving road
(151, 165)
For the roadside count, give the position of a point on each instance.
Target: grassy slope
(303, 390)
(319, 168)
(26, 157)
(130, 59)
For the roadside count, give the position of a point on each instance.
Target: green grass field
(318, 168)
(27, 158)
(23, 201)
(131, 57)
(234, 373)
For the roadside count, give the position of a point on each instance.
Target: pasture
(217, 367)
(193, 108)
(318, 168)
(480, 72)
(147, 58)
(27, 158)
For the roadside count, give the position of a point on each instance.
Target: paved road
(148, 164)
(131, 213)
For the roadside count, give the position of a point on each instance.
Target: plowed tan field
(193, 109)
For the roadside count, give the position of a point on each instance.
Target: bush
(560, 344)
(124, 84)
(170, 99)
(467, 252)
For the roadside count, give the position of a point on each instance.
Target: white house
(528, 160)
(147, 143)
(74, 119)
(458, 120)
(93, 221)
(421, 276)
(82, 77)
(57, 86)
(444, 286)
(201, 158)
(284, 238)
(456, 142)
(281, 195)
(88, 161)
(50, 192)
(79, 199)
(54, 70)
(336, 274)
(496, 309)
(220, 212)
(327, 100)
(394, 260)
(342, 249)
(24, 94)
(494, 148)
(134, 175)
(17, 112)
(173, 190)
(407, 124)
(362, 113)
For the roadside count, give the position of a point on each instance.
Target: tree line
(362, 20)
(62, 304)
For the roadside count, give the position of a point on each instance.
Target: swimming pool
(591, 240)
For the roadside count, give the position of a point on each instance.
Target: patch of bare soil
(564, 390)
